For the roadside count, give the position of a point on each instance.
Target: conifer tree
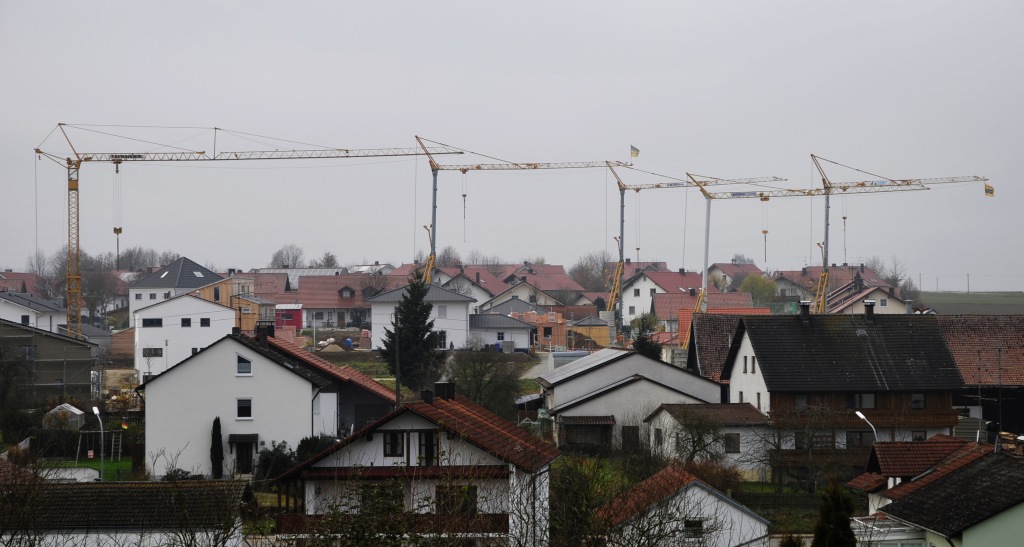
(833, 526)
(412, 336)
(216, 450)
(643, 332)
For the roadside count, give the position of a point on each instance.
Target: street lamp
(863, 417)
(96, 411)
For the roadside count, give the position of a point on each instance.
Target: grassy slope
(986, 303)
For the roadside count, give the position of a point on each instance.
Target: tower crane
(615, 294)
(74, 161)
(502, 165)
(882, 184)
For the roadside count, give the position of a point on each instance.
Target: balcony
(846, 419)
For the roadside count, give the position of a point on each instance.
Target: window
(216, 294)
(753, 364)
(442, 311)
(152, 296)
(456, 499)
(759, 400)
(632, 310)
(659, 437)
(167, 294)
(918, 435)
(732, 443)
(25, 319)
(244, 409)
(393, 445)
(204, 321)
(429, 447)
(800, 440)
(800, 402)
(533, 299)
(186, 322)
(862, 400)
(859, 439)
(501, 336)
(244, 366)
(883, 302)
(152, 352)
(442, 339)
(744, 364)
(286, 316)
(346, 293)
(547, 333)
(917, 401)
(28, 353)
(138, 296)
(153, 322)
(741, 396)
(824, 441)
(693, 529)
(653, 291)
(636, 292)
(318, 316)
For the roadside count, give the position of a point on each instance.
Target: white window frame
(239, 405)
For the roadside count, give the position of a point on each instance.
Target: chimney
(526, 263)
(627, 260)
(427, 396)
(803, 271)
(477, 278)
(682, 271)
(231, 272)
(376, 262)
(805, 311)
(862, 267)
(285, 266)
(236, 330)
(693, 292)
(869, 311)
(445, 390)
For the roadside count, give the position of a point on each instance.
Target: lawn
(112, 470)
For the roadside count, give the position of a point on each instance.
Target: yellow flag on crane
(990, 192)
(633, 151)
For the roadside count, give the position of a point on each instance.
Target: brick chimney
(805, 311)
(427, 396)
(869, 311)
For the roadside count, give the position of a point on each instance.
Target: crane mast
(73, 164)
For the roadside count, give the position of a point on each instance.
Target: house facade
(264, 391)
(638, 291)
(32, 311)
(450, 314)
(61, 366)
(172, 330)
(499, 331)
(443, 467)
(179, 277)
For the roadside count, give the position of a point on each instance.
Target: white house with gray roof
(176, 278)
(32, 311)
(450, 314)
(490, 329)
(173, 330)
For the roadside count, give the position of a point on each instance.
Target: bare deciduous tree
(591, 271)
(290, 256)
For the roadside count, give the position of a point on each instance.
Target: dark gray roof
(496, 321)
(515, 305)
(180, 274)
(32, 302)
(32, 331)
(846, 353)
(591, 321)
(716, 413)
(965, 497)
(434, 294)
(616, 385)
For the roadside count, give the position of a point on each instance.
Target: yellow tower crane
(882, 184)
(74, 162)
(502, 165)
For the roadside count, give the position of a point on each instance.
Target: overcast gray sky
(740, 89)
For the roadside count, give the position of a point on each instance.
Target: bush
(274, 461)
(311, 446)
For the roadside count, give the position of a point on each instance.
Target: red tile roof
(33, 283)
(686, 315)
(909, 459)
(973, 339)
(838, 276)
(962, 457)
(672, 282)
(480, 276)
(270, 285)
(736, 269)
(324, 291)
(869, 482)
(637, 500)
(344, 373)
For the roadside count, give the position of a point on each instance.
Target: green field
(987, 303)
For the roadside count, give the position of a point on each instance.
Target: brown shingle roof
(909, 459)
(721, 413)
(958, 459)
(712, 335)
(869, 482)
(637, 500)
(973, 339)
(344, 373)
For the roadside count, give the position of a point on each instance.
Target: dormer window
(346, 292)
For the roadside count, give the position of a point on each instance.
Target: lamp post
(96, 411)
(865, 418)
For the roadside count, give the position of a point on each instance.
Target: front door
(243, 458)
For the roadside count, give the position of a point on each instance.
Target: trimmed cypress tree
(216, 450)
(833, 526)
(412, 336)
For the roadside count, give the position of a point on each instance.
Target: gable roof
(973, 339)
(13, 285)
(614, 386)
(591, 321)
(434, 294)
(964, 498)
(467, 420)
(32, 302)
(583, 365)
(847, 353)
(180, 296)
(726, 414)
(32, 281)
(519, 285)
(909, 459)
(479, 276)
(132, 505)
(33, 331)
(655, 489)
(712, 335)
(324, 291)
(343, 373)
(733, 269)
(545, 277)
(515, 305)
(180, 274)
(671, 282)
(961, 457)
(496, 321)
(839, 302)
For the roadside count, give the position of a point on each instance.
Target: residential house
(734, 430)
(443, 466)
(172, 330)
(25, 281)
(669, 307)
(549, 328)
(61, 367)
(36, 511)
(235, 291)
(372, 269)
(893, 463)
(550, 279)
(523, 291)
(713, 330)
(500, 332)
(673, 507)
(33, 311)
(989, 352)
(638, 291)
(813, 373)
(335, 301)
(883, 301)
(450, 314)
(728, 276)
(295, 276)
(264, 391)
(979, 501)
(177, 278)
(801, 284)
(600, 401)
(630, 268)
(288, 315)
(474, 281)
